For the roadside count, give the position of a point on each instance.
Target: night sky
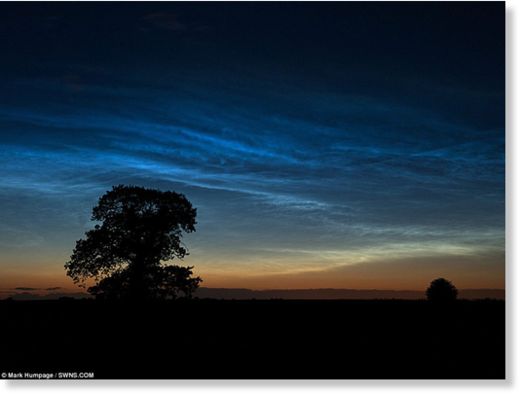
(324, 145)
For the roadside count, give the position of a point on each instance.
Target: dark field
(377, 339)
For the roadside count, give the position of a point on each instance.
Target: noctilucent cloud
(324, 145)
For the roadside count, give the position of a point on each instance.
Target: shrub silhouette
(140, 229)
(441, 290)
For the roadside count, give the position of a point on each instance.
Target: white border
(350, 387)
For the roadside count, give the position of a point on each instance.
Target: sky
(324, 145)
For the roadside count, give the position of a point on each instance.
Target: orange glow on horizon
(399, 275)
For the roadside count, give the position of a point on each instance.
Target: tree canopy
(441, 290)
(138, 230)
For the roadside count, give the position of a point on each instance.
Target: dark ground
(373, 339)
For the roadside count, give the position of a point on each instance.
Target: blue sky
(323, 145)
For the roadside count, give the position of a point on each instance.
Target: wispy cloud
(381, 179)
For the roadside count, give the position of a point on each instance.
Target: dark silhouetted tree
(441, 290)
(138, 230)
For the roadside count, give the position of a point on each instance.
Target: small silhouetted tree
(441, 290)
(138, 230)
